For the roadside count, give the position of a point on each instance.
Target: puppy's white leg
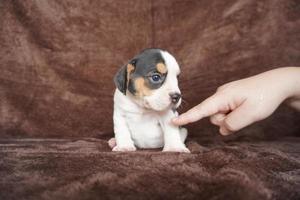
(122, 133)
(173, 136)
(183, 134)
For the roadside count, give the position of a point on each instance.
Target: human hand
(238, 104)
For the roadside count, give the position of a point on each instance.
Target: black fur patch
(120, 79)
(144, 67)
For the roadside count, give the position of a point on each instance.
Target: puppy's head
(151, 79)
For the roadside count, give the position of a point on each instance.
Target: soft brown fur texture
(58, 58)
(57, 62)
(87, 169)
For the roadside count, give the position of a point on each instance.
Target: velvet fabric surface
(57, 62)
(87, 169)
(58, 58)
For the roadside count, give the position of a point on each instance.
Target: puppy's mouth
(160, 104)
(170, 106)
(174, 106)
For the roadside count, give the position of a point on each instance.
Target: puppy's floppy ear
(120, 79)
(122, 76)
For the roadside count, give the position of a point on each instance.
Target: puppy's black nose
(175, 97)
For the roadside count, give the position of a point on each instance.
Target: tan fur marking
(130, 68)
(141, 88)
(161, 68)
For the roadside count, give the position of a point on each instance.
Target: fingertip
(176, 121)
(224, 131)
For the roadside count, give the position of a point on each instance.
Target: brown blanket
(87, 169)
(57, 60)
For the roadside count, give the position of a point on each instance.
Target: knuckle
(223, 87)
(212, 120)
(220, 90)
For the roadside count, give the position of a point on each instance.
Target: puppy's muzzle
(175, 97)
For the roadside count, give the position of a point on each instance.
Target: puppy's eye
(155, 78)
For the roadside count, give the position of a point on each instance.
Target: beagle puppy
(145, 101)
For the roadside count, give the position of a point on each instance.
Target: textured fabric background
(87, 169)
(57, 61)
(58, 58)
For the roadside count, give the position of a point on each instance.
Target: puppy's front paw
(112, 142)
(181, 149)
(124, 148)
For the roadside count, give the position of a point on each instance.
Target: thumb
(239, 118)
(208, 107)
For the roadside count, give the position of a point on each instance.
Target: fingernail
(223, 131)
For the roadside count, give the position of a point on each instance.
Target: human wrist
(292, 76)
(285, 82)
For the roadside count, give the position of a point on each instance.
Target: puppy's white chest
(145, 129)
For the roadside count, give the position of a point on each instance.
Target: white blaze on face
(160, 99)
(173, 72)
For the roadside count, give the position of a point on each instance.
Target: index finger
(208, 107)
